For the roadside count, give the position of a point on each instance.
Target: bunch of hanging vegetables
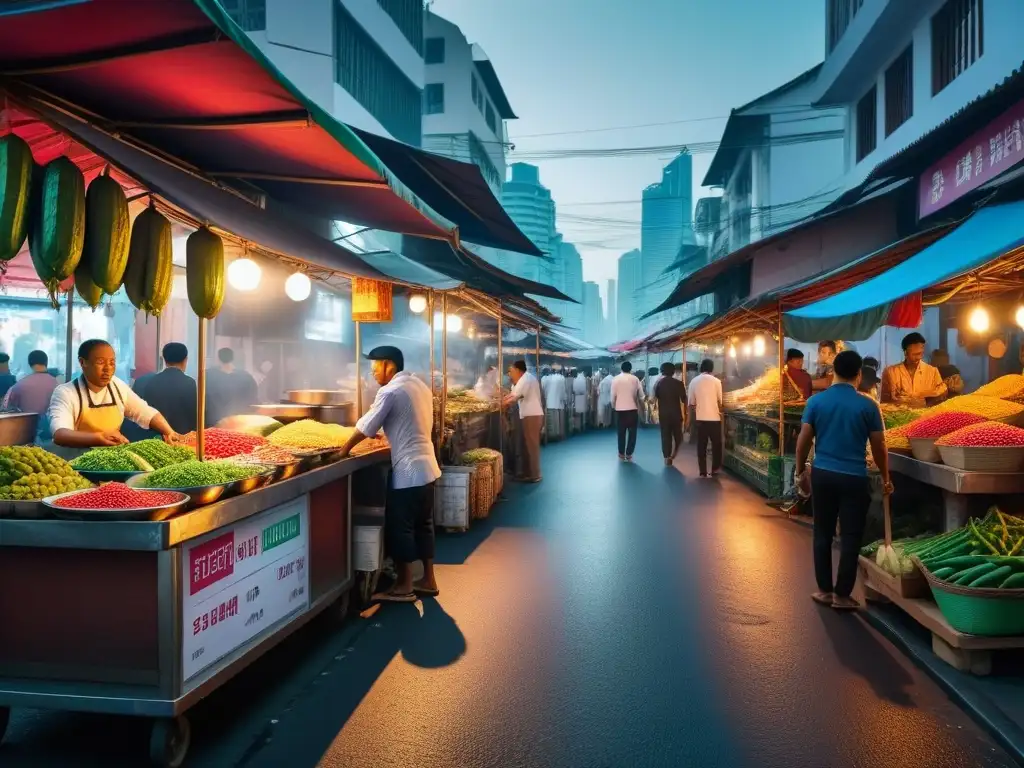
(986, 553)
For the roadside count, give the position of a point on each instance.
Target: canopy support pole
(201, 393)
(782, 387)
(538, 353)
(68, 353)
(157, 357)
(501, 393)
(444, 364)
(359, 374)
(435, 434)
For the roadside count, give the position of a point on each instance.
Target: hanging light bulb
(297, 287)
(454, 323)
(244, 274)
(1019, 317)
(732, 350)
(417, 303)
(759, 345)
(746, 349)
(978, 319)
(719, 350)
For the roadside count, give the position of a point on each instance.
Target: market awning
(180, 79)
(196, 197)
(857, 312)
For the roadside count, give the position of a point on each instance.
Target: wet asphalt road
(614, 615)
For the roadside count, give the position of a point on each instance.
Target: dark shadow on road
(435, 640)
(859, 650)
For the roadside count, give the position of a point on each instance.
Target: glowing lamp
(417, 303)
(978, 320)
(746, 349)
(732, 351)
(454, 323)
(759, 345)
(244, 274)
(297, 287)
(1019, 317)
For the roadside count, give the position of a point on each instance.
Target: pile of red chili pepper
(118, 496)
(225, 443)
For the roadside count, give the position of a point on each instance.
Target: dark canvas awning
(182, 80)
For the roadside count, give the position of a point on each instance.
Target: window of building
(957, 40)
(433, 99)
(867, 124)
(899, 91)
(374, 80)
(838, 16)
(408, 17)
(476, 89)
(492, 123)
(250, 15)
(434, 50)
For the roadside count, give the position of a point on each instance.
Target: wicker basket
(1001, 459)
(499, 474)
(474, 492)
(484, 490)
(923, 449)
(983, 612)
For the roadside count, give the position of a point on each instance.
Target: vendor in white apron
(88, 411)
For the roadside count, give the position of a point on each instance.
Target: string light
(297, 287)
(454, 323)
(417, 303)
(746, 349)
(978, 319)
(244, 274)
(732, 350)
(759, 345)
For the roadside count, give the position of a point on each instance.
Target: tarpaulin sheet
(180, 78)
(985, 236)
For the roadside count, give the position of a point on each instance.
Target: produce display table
(963, 493)
(146, 618)
(967, 653)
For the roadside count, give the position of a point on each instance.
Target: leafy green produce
(1016, 581)
(29, 473)
(194, 474)
(161, 454)
(113, 459)
(992, 579)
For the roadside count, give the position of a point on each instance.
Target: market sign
(238, 583)
(994, 149)
(371, 300)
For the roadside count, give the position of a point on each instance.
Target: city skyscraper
(611, 319)
(572, 269)
(626, 299)
(530, 206)
(666, 225)
(593, 313)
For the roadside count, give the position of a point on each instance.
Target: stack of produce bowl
(989, 446)
(205, 481)
(308, 437)
(118, 463)
(117, 501)
(923, 433)
(225, 443)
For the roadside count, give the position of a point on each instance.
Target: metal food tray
(202, 495)
(147, 513)
(23, 510)
(106, 476)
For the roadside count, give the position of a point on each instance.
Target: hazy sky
(577, 67)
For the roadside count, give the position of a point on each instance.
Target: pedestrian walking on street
(526, 392)
(706, 397)
(404, 409)
(627, 397)
(604, 400)
(673, 413)
(839, 421)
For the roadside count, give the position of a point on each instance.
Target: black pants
(626, 422)
(671, 435)
(845, 498)
(709, 430)
(409, 523)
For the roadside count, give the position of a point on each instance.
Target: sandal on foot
(845, 604)
(823, 598)
(428, 591)
(395, 597)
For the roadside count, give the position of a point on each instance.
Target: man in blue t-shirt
(839, 422)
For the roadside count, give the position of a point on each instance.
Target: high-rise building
(530, 206)
(593, 313)
(572, 286)
(666, 225)
(360, 61)
(464, 105)
(626, 305)
(611, 318)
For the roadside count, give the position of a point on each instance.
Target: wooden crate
(911, 585)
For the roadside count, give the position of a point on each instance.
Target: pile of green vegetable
(30, 473)
(143, 456)
(478, 456)
(195, 474)
(900, 417)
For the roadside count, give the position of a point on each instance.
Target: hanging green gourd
(57, 228)
(89, 292)
(16, 168)
(149, 276)
(204, 272)
(107, 233)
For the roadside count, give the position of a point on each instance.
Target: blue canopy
(857, 312)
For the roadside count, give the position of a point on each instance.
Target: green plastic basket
(982, 612)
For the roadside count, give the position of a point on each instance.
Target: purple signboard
(997, 147)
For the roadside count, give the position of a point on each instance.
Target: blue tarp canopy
(859, 311)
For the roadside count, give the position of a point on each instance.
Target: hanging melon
(15, 195)
(149, 276)
(107, 233)
(89, 292)
(57, 229)
(204, 272)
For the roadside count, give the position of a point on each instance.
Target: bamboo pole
(201, 393)
(156, 362)
(782, 387)
(444, 365)
(538, 353)
(501, 393)
(435, 433)
(69, 338)
(359, 375)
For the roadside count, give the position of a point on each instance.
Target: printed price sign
(241, 581)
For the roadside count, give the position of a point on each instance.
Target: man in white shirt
(579, 397)
(404, 409)
(604, 400)
(554, 405)
(627, 392)
(526, 392)
(705, 395)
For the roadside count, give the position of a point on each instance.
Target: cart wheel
(5, 718)
(169, 742)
